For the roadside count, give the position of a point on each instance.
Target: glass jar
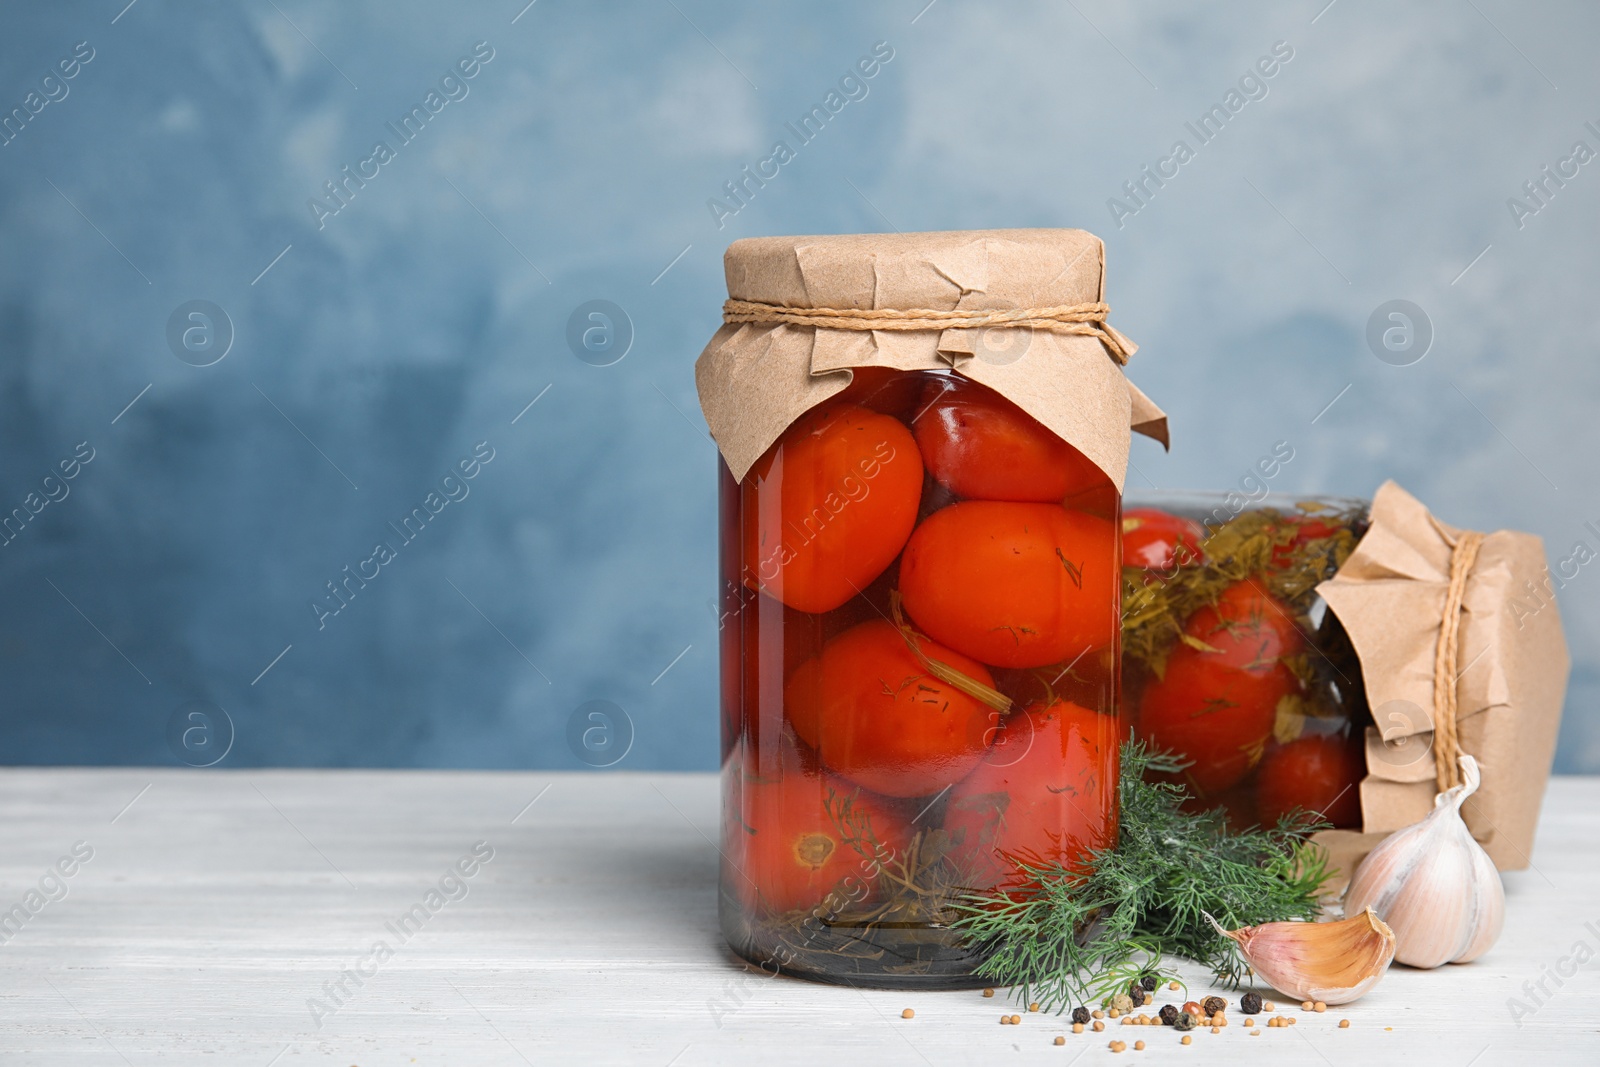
(920, 604)
(1232, 661)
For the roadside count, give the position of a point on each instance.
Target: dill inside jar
(1233, 663)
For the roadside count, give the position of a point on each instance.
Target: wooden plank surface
(217, 906)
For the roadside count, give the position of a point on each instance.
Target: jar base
(879, 956)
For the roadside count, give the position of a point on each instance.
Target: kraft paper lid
(755, 379)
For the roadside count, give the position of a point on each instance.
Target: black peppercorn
(1136, 994)
(1148, 982)
(1080, 1015)
(1169, 1014)
(1250, 1003)
(1213, 1005)
(1184, 1021)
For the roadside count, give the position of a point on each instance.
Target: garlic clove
(1434, 885)
(1332, 962)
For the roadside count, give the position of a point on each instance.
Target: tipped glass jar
(1232, 661)
(920, 603)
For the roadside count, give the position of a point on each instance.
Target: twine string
(1088, 320)
(1447, 738)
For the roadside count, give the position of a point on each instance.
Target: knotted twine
(1088, 320)
(1447, 741)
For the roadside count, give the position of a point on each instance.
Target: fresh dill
(1075, 937)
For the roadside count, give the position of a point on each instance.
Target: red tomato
(809, 839)
(1015, 585)
(1218, 707)
(1320, 773)
(1307, 528)
(984, 447)
(1046, 793)
(875, 715)
(829, 506)
(1151, 539)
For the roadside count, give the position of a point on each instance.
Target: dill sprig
(1079, 936)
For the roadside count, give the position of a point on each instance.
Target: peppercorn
(1080, 1014)
(1169, 1014)
(1149, 983)
(1184, 1021)
(1136, 994)
(1192, 1007)
(1213, 1005)
(988, 992)
(1250, 1003)
(1123, 1003)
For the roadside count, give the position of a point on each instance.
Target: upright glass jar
(920, 660)
(1232, 661)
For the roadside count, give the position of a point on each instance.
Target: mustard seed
(988, 992)
(1173, 985)
(1319, 1006)
(1061, 1040)
(1187, 1040)
(1344, 1024)
(1077, 1028)
(1138, 1046)
(907, 1014)
(1099, 1026)
(1016, 1020)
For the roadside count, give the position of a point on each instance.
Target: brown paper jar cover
(1390, 595)
(756, 379)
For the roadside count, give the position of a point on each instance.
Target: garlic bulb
(1334, 962)
(1434, 885)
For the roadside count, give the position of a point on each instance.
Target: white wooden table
(217, 904)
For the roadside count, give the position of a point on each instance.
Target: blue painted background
(374, 348)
